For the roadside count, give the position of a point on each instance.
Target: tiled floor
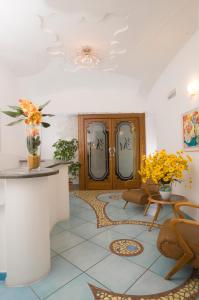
(80, 255)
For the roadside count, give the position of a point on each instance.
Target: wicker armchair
(140, 196)
(179, 239)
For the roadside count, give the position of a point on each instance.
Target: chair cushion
(137, 196)
(167, 242)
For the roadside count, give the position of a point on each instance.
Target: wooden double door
(110, 150)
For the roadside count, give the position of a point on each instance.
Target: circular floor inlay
(125, 247)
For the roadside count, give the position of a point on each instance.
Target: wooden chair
(179, 239)
(140, 196)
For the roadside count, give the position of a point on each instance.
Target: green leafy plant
(66, 150)
(33, 143)
(74, 169)
(165, 188)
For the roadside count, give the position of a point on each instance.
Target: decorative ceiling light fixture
(87, 57)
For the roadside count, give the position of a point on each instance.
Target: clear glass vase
(33, 142)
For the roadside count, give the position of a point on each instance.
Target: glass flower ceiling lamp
(87, 57)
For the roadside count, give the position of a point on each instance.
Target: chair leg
(180, 264)
(174, 211)
(125, 204)
(147, 208)
(155, 217)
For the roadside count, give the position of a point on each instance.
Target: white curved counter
(31, 204)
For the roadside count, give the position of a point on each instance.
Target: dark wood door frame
(82, 118)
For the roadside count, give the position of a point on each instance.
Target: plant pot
(33, 142)
(165, 195)
(165, 191)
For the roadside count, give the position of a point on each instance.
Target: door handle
(112, 151)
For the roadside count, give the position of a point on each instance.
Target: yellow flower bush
(164, 168)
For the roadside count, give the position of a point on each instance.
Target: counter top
(46, 169)
(49, 163)
(23, 172)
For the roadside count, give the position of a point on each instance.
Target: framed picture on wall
(191, 130)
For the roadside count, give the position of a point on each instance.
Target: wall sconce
(193, 88)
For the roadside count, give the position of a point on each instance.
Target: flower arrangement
(33, 140)
(28, 112)
(164, 168)
(32, 116)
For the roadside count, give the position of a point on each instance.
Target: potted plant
(74, 170)
(32, 116)
(67, 150)
(164, 169)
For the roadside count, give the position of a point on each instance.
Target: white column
(62, 203)
(59, 195)
(27, 230)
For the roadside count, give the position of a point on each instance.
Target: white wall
(12, 138)
(167, 114)
(69, 103)
(81, 92)
(70, 94)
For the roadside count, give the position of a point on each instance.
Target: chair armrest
(180, 204)
(174, 222)
(180, 239)
(154, 194)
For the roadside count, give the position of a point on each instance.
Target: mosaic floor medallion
(126, 247)
(189, 290)
(99, 207)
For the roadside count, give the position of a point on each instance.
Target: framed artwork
(191, 130)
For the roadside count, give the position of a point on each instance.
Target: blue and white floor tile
(163, 265)
(80, 255)
(85, 255)
(61, 273)
(64, 240)
(87, 230)
(150, 283)
(16, 293)
(116, 273)
(76, 289)
(105, 238)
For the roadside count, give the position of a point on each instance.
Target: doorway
(110, 150)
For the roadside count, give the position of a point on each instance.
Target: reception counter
(32, 202)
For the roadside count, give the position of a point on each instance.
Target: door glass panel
(97, 151)
(125, 150)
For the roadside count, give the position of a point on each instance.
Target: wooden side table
(160, 203)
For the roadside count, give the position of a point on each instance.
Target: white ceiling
(157, 29)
